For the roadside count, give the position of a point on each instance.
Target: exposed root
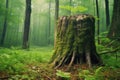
(60, 63)
(71, 62)
(88, 59)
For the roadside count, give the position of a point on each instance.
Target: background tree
(27, 25)
(98, 21)
(70, 6)
(5, 24)
(49, 24)
(39, 32)
(114, 31)
(56, 17)
(107, 13)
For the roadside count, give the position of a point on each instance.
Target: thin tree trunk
(56, 18)
(107, 13)
(49, 26)
(70, 6)
(98, 21)
(5, 24)
(94, 7)
(17, 31)
(27, 25)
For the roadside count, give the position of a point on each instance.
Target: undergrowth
(14, 60)
(32, 64)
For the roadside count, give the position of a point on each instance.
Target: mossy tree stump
(75, 43)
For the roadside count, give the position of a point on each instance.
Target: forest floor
(33, 64)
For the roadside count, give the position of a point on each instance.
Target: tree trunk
(75, 43)
(49, 25)
(27, 25)
(5, 25)
(56, 18)
(114, 31)
(107, 13)
(70, 6)
(98, 21)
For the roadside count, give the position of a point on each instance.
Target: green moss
(74, 38)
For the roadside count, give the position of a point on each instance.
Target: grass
(32, 64)
(15, 59)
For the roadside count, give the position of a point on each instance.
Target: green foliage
(2, 8)
(87, 75)
(96, 18)
(98, 74)
(111, 60)
(15, 60)
(104, 43)
(8, 63)
(21, 77)
(111, 49)
(97, 71)
(62, 74)
(74, 9)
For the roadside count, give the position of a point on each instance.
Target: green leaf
(74, 9)
(63, 74)
(98, 70)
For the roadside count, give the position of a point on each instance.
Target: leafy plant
(87, 75)
(74, 9)
(21, 77)
(98, 74)
(62, 74)
(15, 60)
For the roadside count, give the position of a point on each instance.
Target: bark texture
(5, 24)
(107, 13)
(27, 25)
(75, 42)
(114, 31)
(49, 22)
(98, 21)
(56, 18)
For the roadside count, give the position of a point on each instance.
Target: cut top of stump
(76, 21)
(80, 17)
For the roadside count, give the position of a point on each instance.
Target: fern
(98, 70)
(87, 75)
(63, 74)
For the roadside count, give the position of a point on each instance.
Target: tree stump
(75, 43)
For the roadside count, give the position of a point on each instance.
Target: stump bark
(75, 43)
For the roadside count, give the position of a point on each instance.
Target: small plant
(87, 75)
(63, 75)
(21, 77)
(98, 74)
